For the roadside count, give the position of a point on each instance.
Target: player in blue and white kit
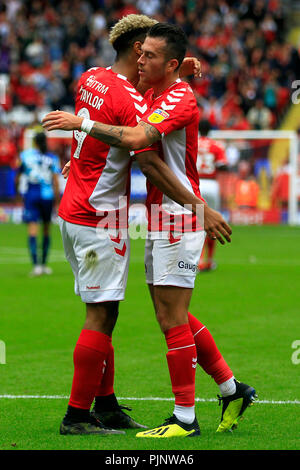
(39, 169)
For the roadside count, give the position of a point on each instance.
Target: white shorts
(173, 263)
(99, 259)
(210, 190)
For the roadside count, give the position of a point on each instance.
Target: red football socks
(182, 360)
(106, 386)
(90, 352)
(209, 357)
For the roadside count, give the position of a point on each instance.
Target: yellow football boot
(172, 427)
(235, 405)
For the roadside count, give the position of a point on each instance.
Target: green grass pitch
(250, 304)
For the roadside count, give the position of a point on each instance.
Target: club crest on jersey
(158, 116)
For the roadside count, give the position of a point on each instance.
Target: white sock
(228, 388)
(186, 414)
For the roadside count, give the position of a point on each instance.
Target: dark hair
(124, 43)
(175, 38)
(204, 127)
(40, 141)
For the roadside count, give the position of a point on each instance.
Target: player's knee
(169, 315)
(102, 317)
(165, 320)
(112, 310)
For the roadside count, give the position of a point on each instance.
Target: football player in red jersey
(172, 250)
(93, 223)
(211, 159)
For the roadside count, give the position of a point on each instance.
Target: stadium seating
(46, 45)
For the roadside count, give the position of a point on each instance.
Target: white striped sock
(186, 414)
(228, 388)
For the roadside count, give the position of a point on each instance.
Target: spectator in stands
(259, 116)
(271, 93)
(212, 110)
(269, 28)
(247, 189)
(15, 134)
(241, 45)
(8, 150)
(149, 7)
(8, 163)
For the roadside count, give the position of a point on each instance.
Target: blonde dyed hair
(130, 23)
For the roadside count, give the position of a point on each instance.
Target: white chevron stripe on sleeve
(141, 109)
(136, 97)
(174, 93)
(132, 90)
(173, 100)
(166, 107)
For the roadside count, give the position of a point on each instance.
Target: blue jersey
(38, 169)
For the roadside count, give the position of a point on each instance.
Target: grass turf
(250, 304)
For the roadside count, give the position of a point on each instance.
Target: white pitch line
(203, 400)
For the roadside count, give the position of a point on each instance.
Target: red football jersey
(211, 154)
(176, 116)
(100, 174)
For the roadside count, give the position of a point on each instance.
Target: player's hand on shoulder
(215, 225)
(61, 120)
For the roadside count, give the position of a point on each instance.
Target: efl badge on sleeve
(158, 116)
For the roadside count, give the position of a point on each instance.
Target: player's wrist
(87, 125)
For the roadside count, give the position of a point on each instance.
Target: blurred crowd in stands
(45, 45)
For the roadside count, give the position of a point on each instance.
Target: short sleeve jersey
(176, 116)
(98, 187)
(211, 155)
(38, 169)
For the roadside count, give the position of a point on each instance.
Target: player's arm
(133, 138)
(160, 175)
